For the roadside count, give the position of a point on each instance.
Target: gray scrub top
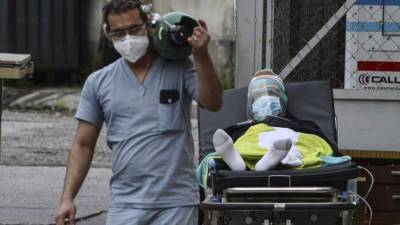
(148, 131)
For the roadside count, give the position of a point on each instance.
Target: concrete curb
(62, 100)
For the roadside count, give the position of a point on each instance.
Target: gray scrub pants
(187, 215)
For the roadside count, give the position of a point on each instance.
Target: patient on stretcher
(272, 136)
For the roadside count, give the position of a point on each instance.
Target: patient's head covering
(266, 96)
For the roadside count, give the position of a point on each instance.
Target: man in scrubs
(144, 100)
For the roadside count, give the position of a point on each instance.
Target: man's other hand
(66, 213)
(200, 38)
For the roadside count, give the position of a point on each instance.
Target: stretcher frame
(313, 196)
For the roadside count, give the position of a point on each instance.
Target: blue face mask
(266, 106)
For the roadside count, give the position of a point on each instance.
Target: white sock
(278, 151)
(224, 145)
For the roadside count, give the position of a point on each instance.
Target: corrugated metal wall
(47, 29)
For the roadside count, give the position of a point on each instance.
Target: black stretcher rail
(320, 206)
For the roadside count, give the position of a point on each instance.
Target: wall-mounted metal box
(15, 66)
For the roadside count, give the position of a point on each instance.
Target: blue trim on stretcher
(372, 27)
(378, 2)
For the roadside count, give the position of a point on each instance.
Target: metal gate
(353, 43)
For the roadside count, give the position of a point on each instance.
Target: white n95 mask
(266, 106)
(132, 48)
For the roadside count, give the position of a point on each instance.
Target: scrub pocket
(170, 117)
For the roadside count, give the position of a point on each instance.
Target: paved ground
(43, 139)
(36, 137)
(29, 195)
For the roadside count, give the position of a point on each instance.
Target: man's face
(126, 23)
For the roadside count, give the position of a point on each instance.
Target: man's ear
(105, 28)
(150, 30)
(105, 31)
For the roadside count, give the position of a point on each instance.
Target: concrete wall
(249, 40)
(219, 16)
(220, 19)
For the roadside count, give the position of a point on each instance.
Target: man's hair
(121, 6)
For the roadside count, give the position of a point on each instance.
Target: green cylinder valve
(170, 35)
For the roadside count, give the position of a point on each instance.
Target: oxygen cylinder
(170, 35)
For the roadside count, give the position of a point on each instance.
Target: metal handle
(278, 206)
(396, 197)
(395, 173)
(212, 166)
(284, 176)
(266, 190)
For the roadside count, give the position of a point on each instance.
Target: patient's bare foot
(224, 145)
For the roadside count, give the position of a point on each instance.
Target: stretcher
(320, 196)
